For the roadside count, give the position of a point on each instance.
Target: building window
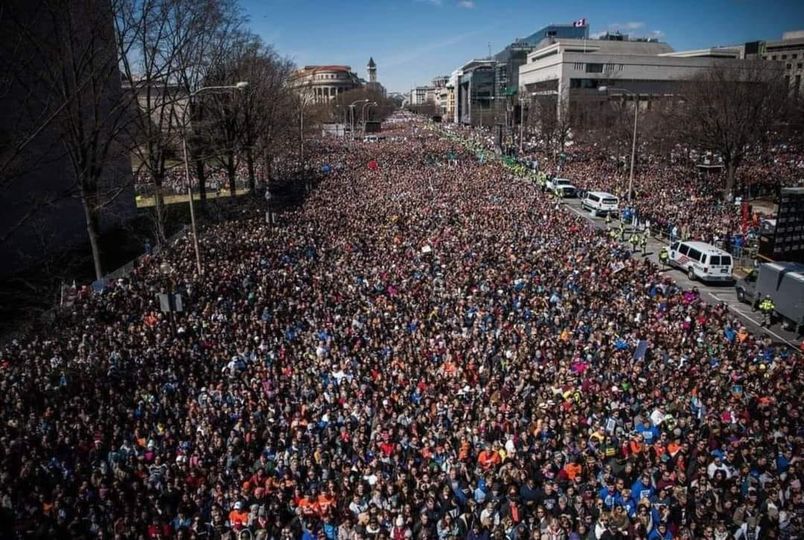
(773, 57)
(594, 68)
(798, 65)
(789, 66)
(784, 57)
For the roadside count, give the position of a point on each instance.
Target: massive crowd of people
(683, 190)
(426, 349)
(175, 179)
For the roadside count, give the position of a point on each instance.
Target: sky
(413, 41)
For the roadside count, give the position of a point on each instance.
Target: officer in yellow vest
(664, 256)
(766, 306)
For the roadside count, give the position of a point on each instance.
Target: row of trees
(729, 110)
(169, 51)
(100, 81)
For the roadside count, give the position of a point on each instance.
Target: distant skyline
(413, 41)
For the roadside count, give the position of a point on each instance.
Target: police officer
(608, 220)
(643, 242)
(664, 256)
(766, 306)
(634, 241)
(622, 231)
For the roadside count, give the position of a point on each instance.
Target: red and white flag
(579, 23)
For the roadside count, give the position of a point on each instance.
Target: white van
(600, 203)
(701, 261)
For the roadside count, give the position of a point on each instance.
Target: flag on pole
(579, 23)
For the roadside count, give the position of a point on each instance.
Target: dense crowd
(175, 179)
(682, 190)
(426, 349)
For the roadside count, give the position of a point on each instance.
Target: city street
(710, 292)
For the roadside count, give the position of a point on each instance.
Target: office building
(514, 55)
(485, 88)
(574, 68)
(477, 93)
(789, 51)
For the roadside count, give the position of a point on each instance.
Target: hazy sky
(414, 40)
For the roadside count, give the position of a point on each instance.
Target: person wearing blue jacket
(642, 489)
(649, 432)
(608, 494)
(660, 532)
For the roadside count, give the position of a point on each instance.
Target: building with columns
(324, 83)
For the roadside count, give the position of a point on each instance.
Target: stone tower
(372, 71)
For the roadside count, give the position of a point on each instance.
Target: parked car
(784, 283)
(562, 187)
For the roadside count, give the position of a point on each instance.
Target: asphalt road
(709, 292)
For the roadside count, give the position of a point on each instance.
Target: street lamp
(363, 114)
(633, 142)
(352, 117)
(240, 86)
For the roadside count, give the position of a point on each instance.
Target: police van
(701, 261)
(600, 203)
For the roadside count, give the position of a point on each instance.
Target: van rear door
(609, 203)
(720, 265)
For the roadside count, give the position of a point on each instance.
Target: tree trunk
(201, 173)
(90, 215)
(251, 176)
(159, 209)
(232, 173)
(731, 177)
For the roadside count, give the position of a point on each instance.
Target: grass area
(181, 198)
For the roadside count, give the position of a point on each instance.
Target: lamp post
(242, 85)
(521, 124)
(634, 139)
(363, 114)
(352, 117)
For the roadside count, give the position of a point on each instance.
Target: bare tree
(730, 108)
(150, 47)
(553, 122)
(265, 108)
(172, 45)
